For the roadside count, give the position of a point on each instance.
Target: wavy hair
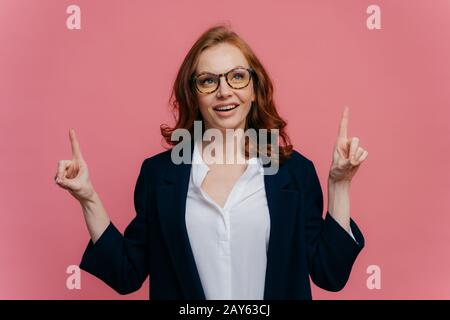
(262, 115)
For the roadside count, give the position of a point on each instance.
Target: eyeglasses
(237, 78)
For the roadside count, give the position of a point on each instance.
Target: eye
(207, 81)
(238, 76)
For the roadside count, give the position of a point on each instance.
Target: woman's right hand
(73, 175)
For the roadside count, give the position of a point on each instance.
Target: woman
(215, 230)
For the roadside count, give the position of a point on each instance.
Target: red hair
(262, 115)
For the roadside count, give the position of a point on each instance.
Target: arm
(95, 216)
(121, 261)
(339, 203)
(331, 250)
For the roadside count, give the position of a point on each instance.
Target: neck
(231, 145)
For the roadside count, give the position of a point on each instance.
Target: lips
(226, 108)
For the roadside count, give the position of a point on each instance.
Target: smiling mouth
(225, 109)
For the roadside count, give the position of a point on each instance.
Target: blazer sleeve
(122, 261)
(331, 250)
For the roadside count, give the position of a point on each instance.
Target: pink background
(111, 81)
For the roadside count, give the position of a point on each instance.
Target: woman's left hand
(347, 154)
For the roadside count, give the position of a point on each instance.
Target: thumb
(345, 163)
(66, 183)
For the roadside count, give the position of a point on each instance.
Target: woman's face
(219, 59)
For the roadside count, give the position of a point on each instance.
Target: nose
(224, 89)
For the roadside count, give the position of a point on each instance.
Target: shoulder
(155, 165)
(301, 168)
(298, 161)
(159, 159)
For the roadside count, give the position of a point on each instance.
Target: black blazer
(156, 242)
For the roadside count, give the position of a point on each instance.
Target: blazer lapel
(282, 205)
(171, 199)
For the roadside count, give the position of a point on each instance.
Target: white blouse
(229, 244)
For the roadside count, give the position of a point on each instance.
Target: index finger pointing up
(344, 124)
(76, 152)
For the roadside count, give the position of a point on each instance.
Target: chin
(228, 124)
(233, 122)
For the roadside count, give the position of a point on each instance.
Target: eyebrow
(239, 66)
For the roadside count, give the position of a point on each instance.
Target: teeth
(226, 107)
